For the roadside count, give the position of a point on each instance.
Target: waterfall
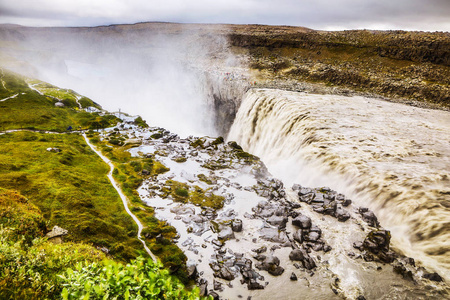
(390, 157)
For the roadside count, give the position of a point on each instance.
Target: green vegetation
(28, 263)
(70, 188)
(43, 270)
(204, 178)
(32, 110)
(140, 122)
(86, 102)
(140, 279)
(182, 192)
(130, 172)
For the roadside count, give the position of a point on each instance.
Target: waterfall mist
(158, 71)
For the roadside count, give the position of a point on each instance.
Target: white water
(390, 157)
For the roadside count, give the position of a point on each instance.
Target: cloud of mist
(158, 76)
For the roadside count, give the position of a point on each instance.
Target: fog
(159, 76)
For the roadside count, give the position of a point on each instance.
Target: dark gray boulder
(302, 221)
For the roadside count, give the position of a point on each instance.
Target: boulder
(56, 235)
(278, 221)
(369, 217)
(298, 236)
(293, 277)
(272, 265)
(341, 215)
(297, 255)
(302, 221)
(433, 277)
(226, 233)
(236, 225)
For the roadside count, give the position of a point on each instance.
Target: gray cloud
(318, 14)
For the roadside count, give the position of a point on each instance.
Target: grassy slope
(33, 268)
(128, 172)
(35, 111)
(70, 187)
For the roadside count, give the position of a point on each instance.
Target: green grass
(42, 270)
(182, 192)
(34, 111)
(70, 188)
(159, 235)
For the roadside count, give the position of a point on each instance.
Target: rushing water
(390, 157)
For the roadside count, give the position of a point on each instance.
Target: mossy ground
(31, 110)
(129, 173)
(42, 270)
(182, 192)
(70, 188)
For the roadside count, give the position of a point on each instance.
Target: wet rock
(293, 277)
(297, 255)
(203, 286)
(329, 207)
(217, 243)
(377, 242)
(302, 221)
(358, 245)
(225, 273)
(214, 295)
(272, 265)
(226, 233)
(312, 236)
(433, 277)
(298, 236)
(260, 250)
(274, 235)
(369, 217)
(217, 285)
(309, 263)
(399, 268)
(192, 271)
(304, 191)
(341, 215)
(254, 285)
(346, 202)
(275, 270)
(279, 221)
(236, 225)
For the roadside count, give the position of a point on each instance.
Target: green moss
(198, 143)
(184, 193)
(21, 216)
(70, 188)
(234, 145)
(204, 178)
(35, 111)
(180, 159)
(140, 122)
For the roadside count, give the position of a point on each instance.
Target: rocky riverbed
(248, 236)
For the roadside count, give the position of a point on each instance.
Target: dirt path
(122, 196)
(11, 97)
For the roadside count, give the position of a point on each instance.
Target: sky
(426, 15)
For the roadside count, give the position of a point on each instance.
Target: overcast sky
(430, 15)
